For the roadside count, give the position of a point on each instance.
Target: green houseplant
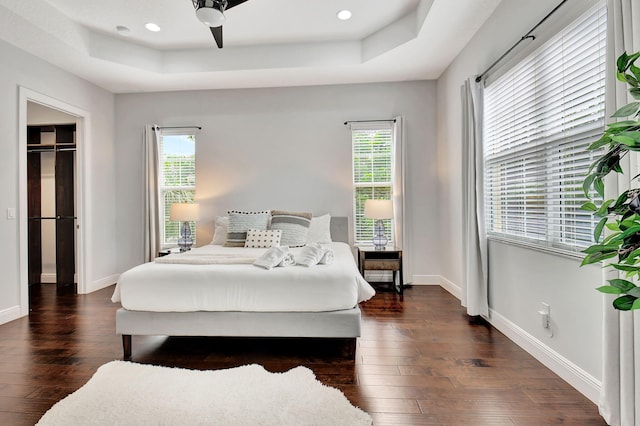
(621, 216)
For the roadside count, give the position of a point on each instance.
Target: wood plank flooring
(420, 361)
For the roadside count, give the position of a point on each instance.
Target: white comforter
(243, 287)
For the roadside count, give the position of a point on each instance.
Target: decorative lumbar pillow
(220, 231)
(257, 238)
(240, 222)
(294, 227)
(320, 230)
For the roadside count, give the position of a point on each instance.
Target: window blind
(372, 149)
(539, 118)
(177, 181)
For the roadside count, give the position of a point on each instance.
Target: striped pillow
(240, 222)
(294, 227)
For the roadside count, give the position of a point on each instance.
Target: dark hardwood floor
(420, 361)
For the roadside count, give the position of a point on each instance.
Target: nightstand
(168, 251)
(382, 260)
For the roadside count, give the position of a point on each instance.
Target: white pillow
(320, 230)
(263, 238)
(220, 231)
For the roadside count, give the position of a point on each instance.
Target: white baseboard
(102, 283)
(582, 381)
(451, 287)
(48, 278)
(426, 280)
(10, 314)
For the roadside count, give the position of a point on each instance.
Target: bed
(238, 299)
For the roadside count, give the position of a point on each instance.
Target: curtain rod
(179, 127)
(369, 121)
(526, 36)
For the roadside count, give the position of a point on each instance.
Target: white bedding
(243, 287)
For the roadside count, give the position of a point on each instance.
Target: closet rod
(393, 120)
(53, 218)
(526, 36)
(40, 149)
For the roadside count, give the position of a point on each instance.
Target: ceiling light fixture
(152, 27)
(344, 15)
(210, 13)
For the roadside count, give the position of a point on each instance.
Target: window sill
(574, 255)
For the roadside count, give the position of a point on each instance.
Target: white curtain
(398, 196)
(151, 139)
(620, 394)
(474, 282)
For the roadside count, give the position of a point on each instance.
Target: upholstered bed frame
(344, 324)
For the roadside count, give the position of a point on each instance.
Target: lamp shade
(210, 16)
(185, 212)
(378, 209)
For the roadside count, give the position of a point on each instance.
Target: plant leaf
(625, 140)
(636, 304)
(635, 93)
(589, 206)
(598, 229)
(622, 285)
(626, 268)
(597, 257)
(586, 184)
(609, 290)
(621, 76)
(621, 62)
(635, 292)
(600, 248)
(598, 185)
(604, 140)
(604, 209)
(627, 110)
(626, 124)
(624, 303)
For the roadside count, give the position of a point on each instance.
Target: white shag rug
(126, 393)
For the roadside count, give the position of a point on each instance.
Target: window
(372, 148)
(177, 181)
(539, 119)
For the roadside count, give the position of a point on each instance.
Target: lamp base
(185, 241)
(379, 239)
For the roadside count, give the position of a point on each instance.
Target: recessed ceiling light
(152, 27)
(125, 31)
(343, 15)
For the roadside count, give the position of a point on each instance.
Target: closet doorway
(51, 198)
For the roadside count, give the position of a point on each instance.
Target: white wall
(280, 148)
(519, 278)
(18, 68)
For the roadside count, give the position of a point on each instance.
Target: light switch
(11, 213)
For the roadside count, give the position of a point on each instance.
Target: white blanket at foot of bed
(244, 287)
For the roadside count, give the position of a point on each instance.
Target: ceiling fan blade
(233, 3)
(217, 35)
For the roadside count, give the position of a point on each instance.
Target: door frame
(83, 123)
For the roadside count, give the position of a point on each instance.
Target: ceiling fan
(211, 13)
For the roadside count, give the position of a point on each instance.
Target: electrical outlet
(546, 308)
(545, 313)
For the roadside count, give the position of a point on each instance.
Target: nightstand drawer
(379, 264)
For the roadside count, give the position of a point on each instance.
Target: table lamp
(185, 212)
(378, 210)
